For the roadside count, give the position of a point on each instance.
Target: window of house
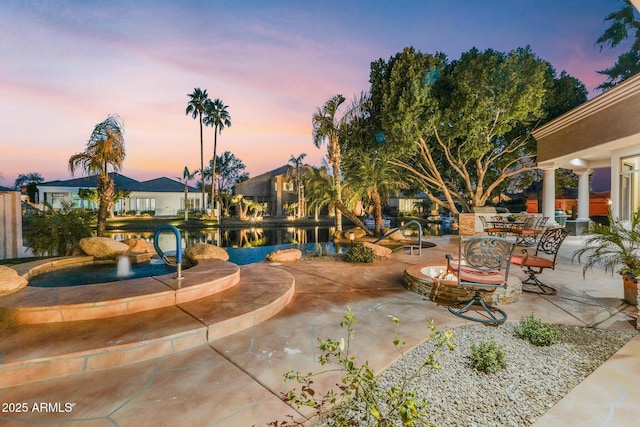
(629, 186)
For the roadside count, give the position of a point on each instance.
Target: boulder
(358, 233)
(10, 280)
(137, 245)
(102, 247)
(284, 255)
(205, 251)
(378, 251)
(396, 236)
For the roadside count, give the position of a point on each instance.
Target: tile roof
(158, 185)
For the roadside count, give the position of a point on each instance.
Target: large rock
(205, 251)
(397, 234)
(378, 251)
(358, 233)
(284, 255)
(102, 247)
(10, 280)
(137, 245)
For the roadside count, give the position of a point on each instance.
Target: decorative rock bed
(418, 278)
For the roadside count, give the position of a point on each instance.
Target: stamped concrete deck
(236, 380)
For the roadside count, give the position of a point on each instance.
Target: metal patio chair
(544, 257)
(482, 266)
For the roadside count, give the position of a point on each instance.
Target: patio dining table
(506, 226)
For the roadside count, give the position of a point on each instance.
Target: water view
(252, 244)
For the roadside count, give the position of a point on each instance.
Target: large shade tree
(625, 25)
(216, 116)
(461, 129)
(196, 107)
(105, 150)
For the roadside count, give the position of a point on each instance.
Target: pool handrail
(402, 227)
(164, 258)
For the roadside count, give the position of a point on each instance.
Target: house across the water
(160, 196)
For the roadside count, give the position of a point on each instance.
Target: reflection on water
(248, 245)
(236, 238)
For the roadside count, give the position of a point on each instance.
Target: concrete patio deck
(236, 380)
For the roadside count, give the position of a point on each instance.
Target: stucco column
(549, 194)
(583, 194)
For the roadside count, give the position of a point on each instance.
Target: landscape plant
(488, 357)
(55, 232)
(360, 253)
(614, 247)
(536, 331)
(359, 399)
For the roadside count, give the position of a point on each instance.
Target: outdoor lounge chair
(482, 266)
(544, 257)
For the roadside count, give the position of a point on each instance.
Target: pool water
(97, 273)
(243, 256)
(103, 273)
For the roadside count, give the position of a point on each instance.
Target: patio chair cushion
(528, 231)
(469, 274)
(532, 261)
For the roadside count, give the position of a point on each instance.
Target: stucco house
(604, 132)
(164, 196)
(274, 189)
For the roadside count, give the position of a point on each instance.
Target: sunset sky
(66, 65)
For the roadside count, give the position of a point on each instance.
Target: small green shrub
(359, 398)
(360, 253)
(488, 357)
(536, 331)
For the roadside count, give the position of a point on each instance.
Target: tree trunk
(342, 208)
(186, 200)
(202, 205)
(106, 193)
(377, 212)
(337, 182)
(213, 171)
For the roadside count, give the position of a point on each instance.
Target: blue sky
(66, 65)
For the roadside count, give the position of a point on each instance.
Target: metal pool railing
(164, 257)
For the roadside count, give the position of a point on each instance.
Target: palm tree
(321, 192)
(377, 178)
(196, 107)
(105, 149)
(217, 116)
(296, 162)
(187, 176)
(326, 127)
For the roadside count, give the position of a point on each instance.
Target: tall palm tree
(196, 107)
(296, 162)
(187, 176)
(327, 124)
(105, 149)
(217, 116)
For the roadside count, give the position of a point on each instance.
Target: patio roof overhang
(585, 137)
